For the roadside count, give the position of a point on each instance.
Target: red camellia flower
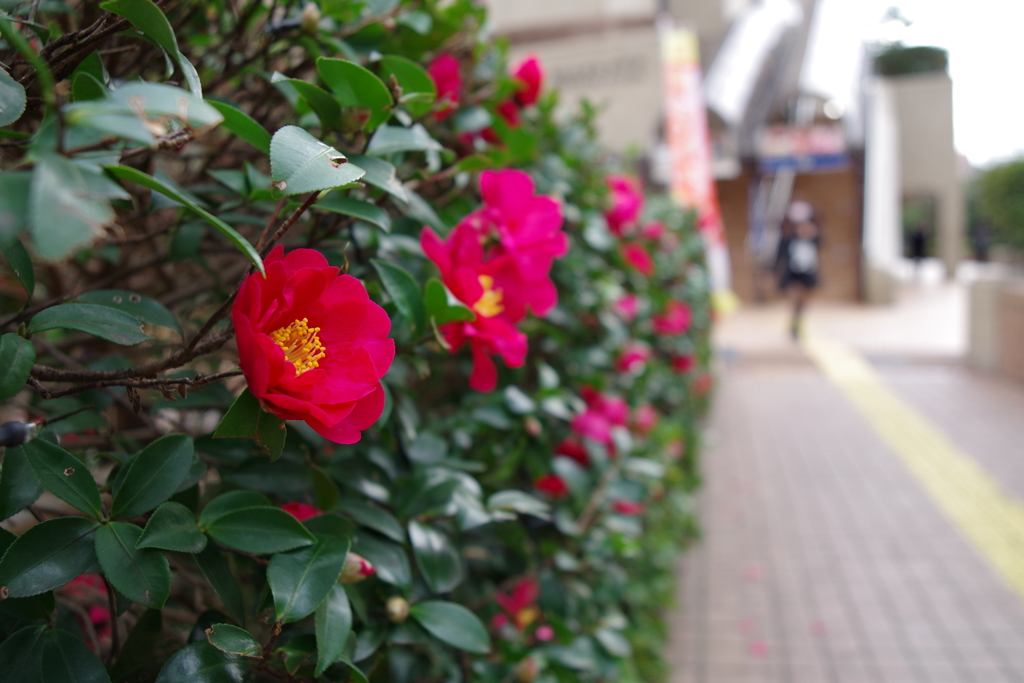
(312, 345)
(675, 320)
(509, 113)
(91, 588)
(627, 203)
(653, 231)
(628, 507)
(570, 447)
(626, 307)
(301, 511)
(603, 412)
(444, 71)
(519, 605)
(683, 364)
(645, 418)
(637, 257)
(496, 261)
(531, 74)
(552, 484)
(633, 357)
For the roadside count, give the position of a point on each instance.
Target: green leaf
(148, 18)
(245, 418)
(443, 306)
(243, 125)
(172, 527)
(135, 176)
(146, 309)
(393, 139)
(19, 486)
(14, 251)
(64, 212)
(333, 626)
(325, 491)
(318, 99)
(299, 163)
(452, 623)
(65, 476)
(215, 568)
(355, 86)
(420, 210)
(514, 500)
(380, 173)
(233, 640)
(260, 530)
(372, 516)
(48, 555)
(99, 321)
(428, 449)
(437, 557)
(86, 87)
(404, 291)
(142, 575)
(12, 99)
(139, 649)
(153, 476)
(22, 654)
(203, 663)
(66, 659)
(389, 559)
(301, 579)
(16, 359)
(414, 81)
(365, 211)
(230, 502)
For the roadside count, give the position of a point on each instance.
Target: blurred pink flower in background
(627, 202)
(626, 307)
(675, 320)
(444, 71)
(638, 257)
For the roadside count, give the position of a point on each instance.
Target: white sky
(986, 63)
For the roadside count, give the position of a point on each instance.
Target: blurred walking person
(918, 246)
(797, 259)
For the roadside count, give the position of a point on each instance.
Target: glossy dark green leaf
(318, 99)
(452, 623)
(404, 291)
(203, 663)
(357, 208)
(98, 321)
(325, 491)
(230, 502)
(65, 214)
(14, 251)
(354, 86)
(22, 655)
(301, 579)
(150, 19)
(394, 139)
(427, 449)
(64, 475)
(260, 530)
(19, 486)
(48, 555)
(140, 178)
(142, 575)
(333, 626)
(380, 173)
(300, 163)
(443, 306)
(66, 659)
(246, 419)
(215, 568)
(153, 476)
(139, 649)
(172, 527)
(418, 89)
(16, 359)
(85, 87)
(421, 494)
(146, 309)
(420, 210)
(389, 559)
(33, 608)
(233, 640)
(12, 99)
(243, 125)
(437, 557)
(373, 517)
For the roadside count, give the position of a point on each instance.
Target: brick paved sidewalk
(823, 557)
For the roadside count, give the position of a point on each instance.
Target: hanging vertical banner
(692, 181)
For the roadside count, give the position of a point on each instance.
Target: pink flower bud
(356, 569)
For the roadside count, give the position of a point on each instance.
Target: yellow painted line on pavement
(988, 516)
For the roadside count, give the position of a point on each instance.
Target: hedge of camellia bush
(331, 351)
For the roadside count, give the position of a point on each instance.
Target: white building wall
(882, 193)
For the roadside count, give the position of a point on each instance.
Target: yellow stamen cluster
(301, 345)
(489, 303)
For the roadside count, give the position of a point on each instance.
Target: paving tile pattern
(823, 560)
